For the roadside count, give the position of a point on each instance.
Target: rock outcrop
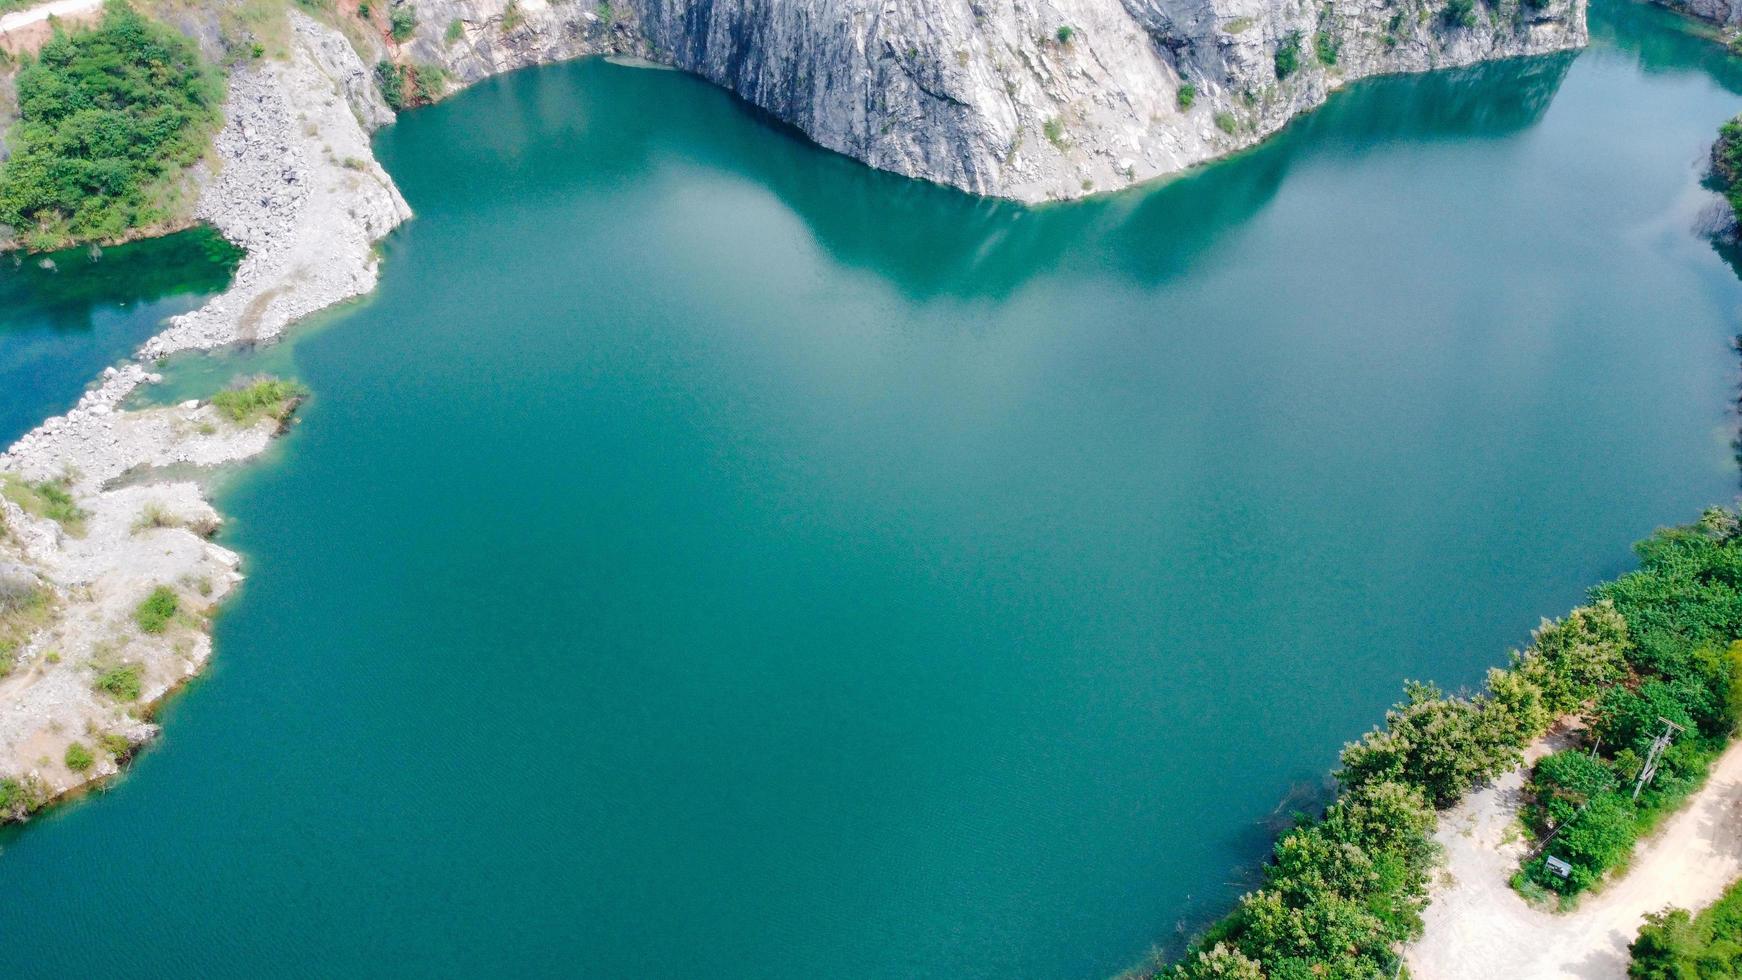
(299, 188)
(1013, 98)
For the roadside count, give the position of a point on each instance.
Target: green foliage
(1327, 48)
(1459, 13)
(1674, 945)
(401, 23)
(21, 796)
(266, 398)
(52, 499)
(390, 78)
(513, 17)
(455, 31)
(1226, 122)
(1288, 56)
(1054, 130)
(1445, 745)
(121, 682)
(427, 82)
(154, 614)
(78, 757)
(1187, 94)
(108, 118)
(115, 744)
(1562, 784)
(25, 607)
(1065, 33)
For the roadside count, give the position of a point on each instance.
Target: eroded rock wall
(1014, 98)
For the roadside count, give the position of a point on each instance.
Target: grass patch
(1054, 129)
(1226, 122)
(155, 613)
(25, 607)
(107, 120)
(123, 682)
(51, 499)
(455, 31)
(267, 398)
(116, 744)
(155, 517)
(79, 757)
(1187, 94)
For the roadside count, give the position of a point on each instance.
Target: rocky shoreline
(299, 189)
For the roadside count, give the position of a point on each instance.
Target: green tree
(107, 119)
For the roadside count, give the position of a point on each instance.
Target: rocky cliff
(1028, 99)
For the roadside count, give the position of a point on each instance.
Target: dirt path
(1478, 927)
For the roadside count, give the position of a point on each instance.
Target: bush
(265, 398)
(1443, 745)
(107, 119)
(78, 757)
(1226, 123)
(1054, 130)
(1065, 33)
(121, 682)
(1459, 13)
(401, 23)
(154, 614)
(1187, 94)
(1326, 47)
(1674, 945)
(21, 796)
(390, 78)
(455, 31)
(1288, 56)
(115, 744)
(1601, 836)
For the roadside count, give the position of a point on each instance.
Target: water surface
(705, 555)
(67, 315)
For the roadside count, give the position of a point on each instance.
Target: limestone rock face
(1027, 99)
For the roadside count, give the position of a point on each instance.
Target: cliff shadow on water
(67, 315)
(981, 248)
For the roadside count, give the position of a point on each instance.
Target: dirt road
(1478, 927)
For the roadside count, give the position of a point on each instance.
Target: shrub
(78, 757)
(401, 23)
(1674, 945)
(1600, 836)
(1562, 784)
(107, 119)
(513, 17)
(1442, 744)
(265, 398)
(115, 744)
(154, 614)
(21, 796)
(121, 682)
(1459, 13)
(455, 31)
(1054, 130)
(1187, 94)
(1325, 46)
(390, 78)
(25, 607)
(1226, 123)
(1065, 33)
(1288, 55)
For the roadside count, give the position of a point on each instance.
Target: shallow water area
(706, 553)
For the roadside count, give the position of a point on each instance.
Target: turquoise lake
(706, 556)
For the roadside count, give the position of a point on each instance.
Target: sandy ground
(1478, 927)
(27, 30)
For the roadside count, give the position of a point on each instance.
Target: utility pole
(1656, 754)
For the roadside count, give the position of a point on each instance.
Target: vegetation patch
(1727, 163)
(107, 120)
(25, 607)
(1054, 130)
(1187, 94)
(1226, 122)
(123, 682)
(401, 23)
(1459, 13)
(1288, 56)
(158, 609)
(21, 796)
(265, 398)
(51, 499)
(1674, 944)
(79, 757)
